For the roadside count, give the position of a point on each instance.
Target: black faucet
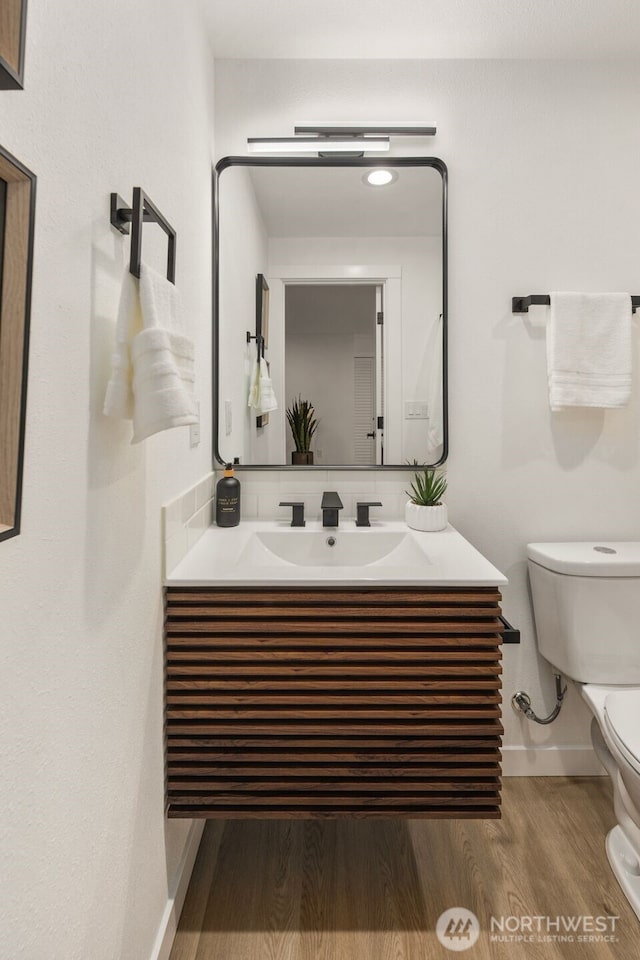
(297, 516)
(362, 512)
(331, 503)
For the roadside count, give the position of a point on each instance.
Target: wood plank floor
(373, 890)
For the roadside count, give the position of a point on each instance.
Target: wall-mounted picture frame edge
(16, 273)
(13, 36)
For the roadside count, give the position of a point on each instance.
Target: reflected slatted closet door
(333, 703)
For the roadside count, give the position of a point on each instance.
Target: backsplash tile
(188, 501)
(185, 519)
(248, 506)
(204, 491)
(270, 487)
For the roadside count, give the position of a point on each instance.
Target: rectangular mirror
(330, 300)
(17, 210)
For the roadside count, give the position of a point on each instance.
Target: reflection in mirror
(17, 205)
(356, 312)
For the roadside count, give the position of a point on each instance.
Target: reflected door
(332, 362)
(364, 410)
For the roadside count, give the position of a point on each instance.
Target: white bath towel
(589, 350)
(163, 381)
(118, 401)
(153, 366)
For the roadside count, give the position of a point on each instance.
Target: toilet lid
(588, 558)
(622, 712)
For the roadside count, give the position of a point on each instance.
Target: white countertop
(444, 558)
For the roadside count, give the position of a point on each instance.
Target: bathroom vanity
(303, 684)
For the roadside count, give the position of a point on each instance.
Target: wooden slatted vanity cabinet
(331, 702)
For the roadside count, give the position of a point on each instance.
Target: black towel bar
(142, 211)
(522, 304)
(509, 634)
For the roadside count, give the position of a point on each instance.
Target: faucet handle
(297, 514)
(362, 509)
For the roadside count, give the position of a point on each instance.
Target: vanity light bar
(408, 128)
(340, 144)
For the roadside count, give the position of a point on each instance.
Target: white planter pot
(427, 519)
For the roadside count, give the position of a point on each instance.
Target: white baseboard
(169, 923)
(543, 761)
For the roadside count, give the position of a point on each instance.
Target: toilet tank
(586, 604)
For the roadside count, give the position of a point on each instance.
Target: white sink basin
(322, 548)
(271, 553)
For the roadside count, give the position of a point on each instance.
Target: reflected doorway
(333, 348)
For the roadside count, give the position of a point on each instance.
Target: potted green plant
(301, 417)
(425, 509)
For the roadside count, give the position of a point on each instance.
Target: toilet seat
(622, 718)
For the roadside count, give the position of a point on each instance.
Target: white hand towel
(118, 401)
(589, 350)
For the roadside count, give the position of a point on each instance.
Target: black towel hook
(259, 339)
(142, 211)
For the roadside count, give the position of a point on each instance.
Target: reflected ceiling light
(320, 145)
(380, 177)
(341, 137)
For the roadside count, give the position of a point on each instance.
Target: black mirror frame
(226, 162)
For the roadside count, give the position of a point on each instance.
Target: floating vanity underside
(328, 702)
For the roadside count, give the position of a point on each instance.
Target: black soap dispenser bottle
(228, 499)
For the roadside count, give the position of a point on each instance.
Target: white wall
(117, 94)
(542, 160)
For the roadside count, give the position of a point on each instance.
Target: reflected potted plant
(425, 510)
(301, 417)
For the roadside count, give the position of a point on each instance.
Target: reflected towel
(261, 394)
(268, 402)
(435, 436)
(589, 350)
(254, 388)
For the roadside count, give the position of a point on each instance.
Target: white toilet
(586, 601)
